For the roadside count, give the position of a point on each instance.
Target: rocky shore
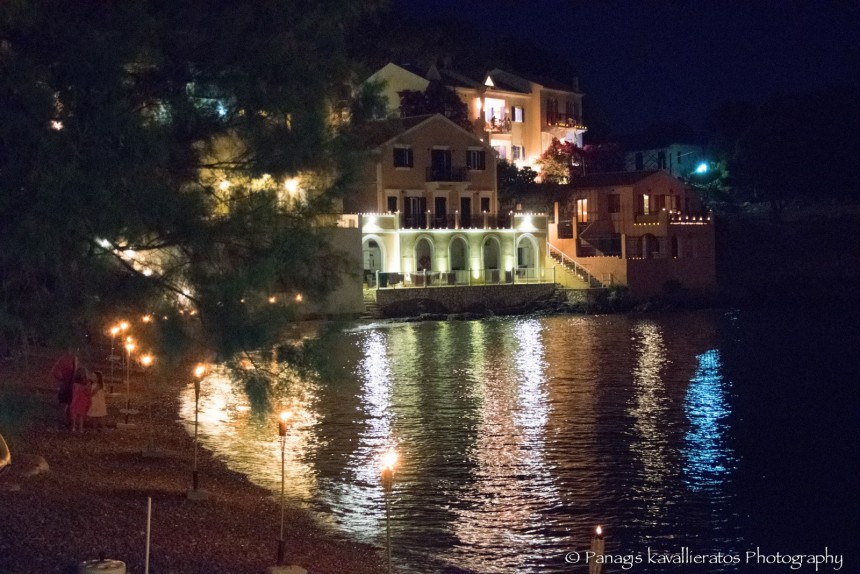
(69, 497)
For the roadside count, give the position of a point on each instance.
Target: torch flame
(599, 530)
(389, 459)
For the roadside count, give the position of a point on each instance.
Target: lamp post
(389, 459)
(595, 566)
(114, 331)
(195, 493)
(146, 362)
(282, 434)
(129, 347)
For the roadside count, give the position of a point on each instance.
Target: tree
(558, 161)
(436, 99)
(143, 152)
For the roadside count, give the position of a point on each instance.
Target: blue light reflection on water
(707, 456)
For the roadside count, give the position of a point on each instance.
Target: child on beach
(80, 400)
(64, 372)
(98, 408)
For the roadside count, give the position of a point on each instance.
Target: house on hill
(646, 230)
(517, 115)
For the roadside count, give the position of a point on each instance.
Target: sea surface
(729, 437)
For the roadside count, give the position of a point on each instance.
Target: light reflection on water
(516, 435)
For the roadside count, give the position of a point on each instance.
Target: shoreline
(94, 497)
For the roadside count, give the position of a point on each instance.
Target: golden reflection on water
(511, 480)
(649, 410)
(224, 417)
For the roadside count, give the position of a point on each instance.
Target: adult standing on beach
(80, 399)
(64, 372)
(98, 408)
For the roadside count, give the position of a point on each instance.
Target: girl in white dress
(98, 408)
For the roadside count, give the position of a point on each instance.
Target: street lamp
(389, 459)
(282, 434)
(129, 347)
(195, 493)
(114, 331)
(595, 563)
(146, 362)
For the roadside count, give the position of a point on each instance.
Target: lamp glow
(199, 371)
(146, 361)
(702, 168)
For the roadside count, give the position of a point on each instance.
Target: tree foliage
(791, 147)
(557, 161)
(436, 99)
(144, 147)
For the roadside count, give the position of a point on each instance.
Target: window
(640, 161)
(644, 204)
(568, 111)
(476, 159)
(582, 211)
(661, 160)
(518, 152)
(403, 156)
(502, 151)
(485, 204)
(551, 111)
(614, 203)
(392, 203)
(518, 114)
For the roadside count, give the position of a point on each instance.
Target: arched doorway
(491, 254)
(458, 256)
(372, 254)
(423, 255)
(527, 258)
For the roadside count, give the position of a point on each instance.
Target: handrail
(579, 269)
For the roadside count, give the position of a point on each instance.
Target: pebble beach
(69, 497)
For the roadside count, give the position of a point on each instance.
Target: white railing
(581, 271)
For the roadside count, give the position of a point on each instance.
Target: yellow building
(517, 116)
(427, 206)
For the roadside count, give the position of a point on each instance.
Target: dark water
(719, 432)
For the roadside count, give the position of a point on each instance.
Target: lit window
(518, 152)
(582, 210)
(403, 156)
(518, 114)
(644, 204)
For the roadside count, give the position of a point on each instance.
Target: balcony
(564, 122)
(459, 173)
(498, 125)
(522, 222)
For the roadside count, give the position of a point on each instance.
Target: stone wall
(461, 299)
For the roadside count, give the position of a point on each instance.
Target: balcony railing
(464, 277)
(447, 174)
(455, 221)
(564, 122)
(498, 125)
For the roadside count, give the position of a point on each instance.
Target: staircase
(371, 307)
(580, 278)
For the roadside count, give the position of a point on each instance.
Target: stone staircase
(571, 275)
(371, 307)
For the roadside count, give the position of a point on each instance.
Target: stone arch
(373, 253)
(527, 256)
(458, 253)
(425, 253)
(491, 258)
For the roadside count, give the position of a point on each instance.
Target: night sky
(648, 61)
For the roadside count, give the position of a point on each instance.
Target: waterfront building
(427, 205)
(645, 230)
